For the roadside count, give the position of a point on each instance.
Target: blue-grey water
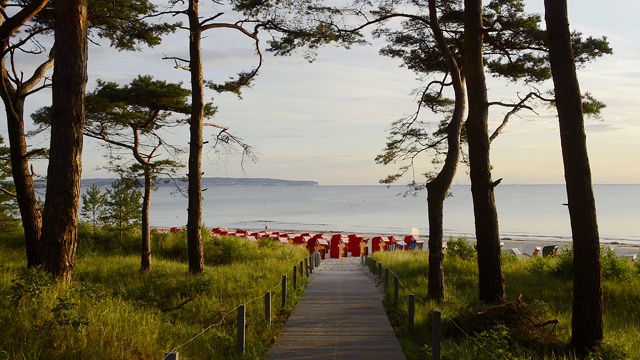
(525, 211)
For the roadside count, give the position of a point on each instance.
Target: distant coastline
(216, 181)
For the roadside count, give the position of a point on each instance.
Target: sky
(326, 121)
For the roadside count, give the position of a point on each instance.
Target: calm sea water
(525, 211)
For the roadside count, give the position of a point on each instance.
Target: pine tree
(124, 205)
(93, 206)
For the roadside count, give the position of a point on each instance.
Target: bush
(226, 250)
(170, 246)
(564, 263)
(495, 343)
(106, 240)
(461, 249)
(613, 266)
(540, 265)
(508, 257)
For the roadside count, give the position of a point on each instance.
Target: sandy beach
(525, 246)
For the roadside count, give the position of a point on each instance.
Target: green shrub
(494, 343)
(564, 263)
(508, 257)
(170, 246)
(540, 265)
(226, 250)
(106, 240)
(613, 266)
(461, 249)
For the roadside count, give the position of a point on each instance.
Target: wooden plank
(340, 316)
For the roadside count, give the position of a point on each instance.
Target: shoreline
(525, 246)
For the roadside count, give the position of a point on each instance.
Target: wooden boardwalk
(340, 316)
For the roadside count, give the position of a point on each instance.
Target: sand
(525, 246)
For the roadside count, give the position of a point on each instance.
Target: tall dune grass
(112, 311)
(546, 291)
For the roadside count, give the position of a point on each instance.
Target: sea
(526, 212)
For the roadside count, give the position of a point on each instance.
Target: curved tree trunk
(491, 280)
(22, 179)
(60, 220)
(586, 322)
(145, 258)
(438, 188)
(194, 216)
(14, 107)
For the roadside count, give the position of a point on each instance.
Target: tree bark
(25, 190)
(14, 107)
(491, 280)
(60, 221)
(145, 258)
(438, 188)
(194, 216)
(586, 322)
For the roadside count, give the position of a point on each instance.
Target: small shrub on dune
(226, 250)
(541, 265)
(460, 249)
(613, 266)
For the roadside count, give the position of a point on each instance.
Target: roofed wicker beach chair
(550, 250)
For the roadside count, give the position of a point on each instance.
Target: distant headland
(218, 181)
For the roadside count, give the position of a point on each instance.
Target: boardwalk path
(340, 316)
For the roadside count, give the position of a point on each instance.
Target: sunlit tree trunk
(145, 259)
(25, 190)
(13, 100)
(491, 280)
(438, 188)
(586, 322)
(194, 216)
(60, 220)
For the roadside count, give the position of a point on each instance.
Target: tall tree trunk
(586, 322)
(14, 106)
(60, 221)
(438, 188)
(491, 280)
(22, 179)
(145, 259)
(194, 216)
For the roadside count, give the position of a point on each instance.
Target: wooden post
(170, 356)
(379, 270)
(412, 313)
(317, 256)
(241, 330)
(306, 267)
(396, 289)
(436, 335)
(284, 291)
(311, 264)
(295, 277)
(267, 307)
(386, 277)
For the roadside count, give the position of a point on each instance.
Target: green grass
(112, 310)
(546, 290)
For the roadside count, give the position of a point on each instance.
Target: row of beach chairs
(336, 245)
(341, 245)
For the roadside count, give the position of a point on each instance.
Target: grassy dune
(114, 311)
(545, 285)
